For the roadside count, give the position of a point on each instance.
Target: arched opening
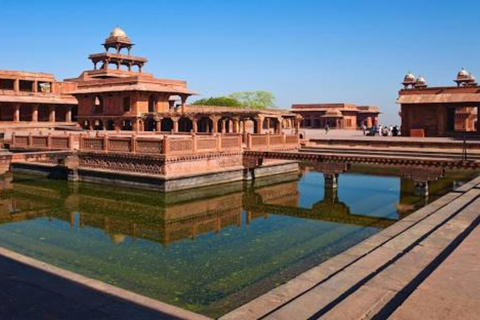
(224, 122)
(167, 124)
(205, 124)
(86, 124)
(150, 124)
(152, 101)
(127, 125)
(185, 125)
(248, 125)
(98, 105)
(111, 125)
(98, 125)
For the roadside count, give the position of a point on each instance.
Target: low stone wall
(397, 143)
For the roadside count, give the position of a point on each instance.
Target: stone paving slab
(452, 291)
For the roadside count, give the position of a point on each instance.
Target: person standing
(364, 128)
(327, 128)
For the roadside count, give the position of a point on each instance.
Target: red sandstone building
(118, 95)
(439, 111)
(336, 115)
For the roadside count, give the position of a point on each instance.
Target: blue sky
(302, 51)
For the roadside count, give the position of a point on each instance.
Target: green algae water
(208, 250)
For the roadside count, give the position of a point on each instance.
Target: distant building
(439, 111)
(336, 115)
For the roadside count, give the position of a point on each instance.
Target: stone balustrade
(156, 144)
(44, 142)
(270, 142)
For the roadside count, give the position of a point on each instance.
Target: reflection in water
(211, 249)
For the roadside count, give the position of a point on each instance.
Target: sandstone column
(16, 112)
(51, 113)
(175, 124)
(68, 114)
(34, 112)
(195, 125)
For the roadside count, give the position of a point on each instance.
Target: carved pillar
(51, 113)
(258, 125)
(16, 85)
(268, 123)
(184, 103)
(215, 124)
(223, 125)
(34, 112)
(158, 124)
(244, 126)
(35, 86)
(175, 124)
(68, 114)
(195, 125)
(235, 125)
(16, 112)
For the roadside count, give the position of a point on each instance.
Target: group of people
(381, 130)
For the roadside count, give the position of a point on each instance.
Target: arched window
(98, 105)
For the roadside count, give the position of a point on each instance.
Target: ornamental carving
(181, 145)
(119, 145)
(40, 142)
(119, 163)
(204, 144)
(149, 146)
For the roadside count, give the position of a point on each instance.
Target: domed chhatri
(117, 32)
(420, 83)
(118, 40)
(465, 78)
(409, 80)
(462, 74)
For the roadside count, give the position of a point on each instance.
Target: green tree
(254, 99)
(218, 101)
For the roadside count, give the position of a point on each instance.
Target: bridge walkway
(389, 274)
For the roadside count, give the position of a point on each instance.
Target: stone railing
(167, 145)
(272, 142)
(43, 142)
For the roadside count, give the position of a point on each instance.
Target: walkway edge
(103, 287)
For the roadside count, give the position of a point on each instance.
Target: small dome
(463, 74)
(409, 78)
(421, 80)
(117, 32)
(333, 113)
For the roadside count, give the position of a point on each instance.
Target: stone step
(368, 283)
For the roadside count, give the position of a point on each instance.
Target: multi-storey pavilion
(118, 95)
(336, 115)
(439, 111)
(35, 97)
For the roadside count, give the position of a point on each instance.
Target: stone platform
(164, 163)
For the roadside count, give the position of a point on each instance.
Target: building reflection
(167, 218)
